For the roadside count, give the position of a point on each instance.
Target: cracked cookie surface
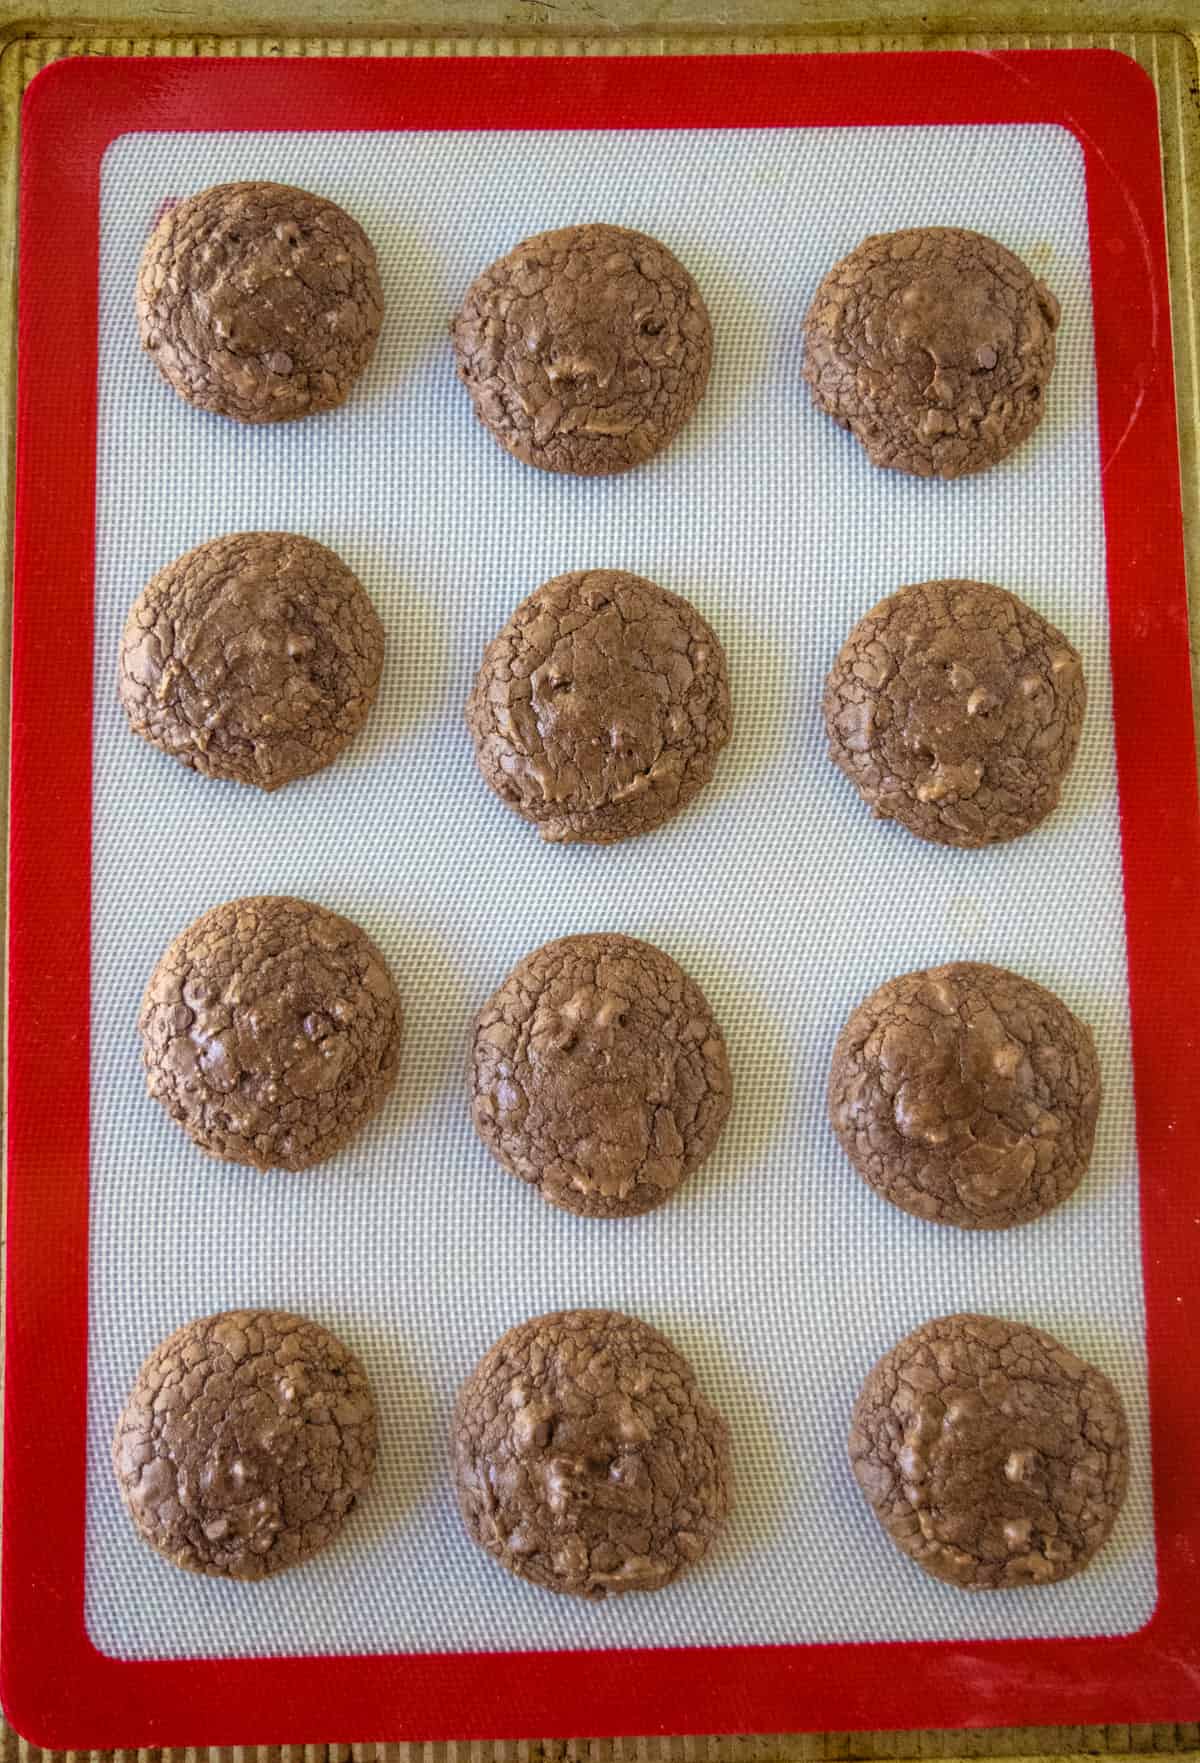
(247, 1438)
(259, 301)
(966, 1095)
(599, 1075)
(271, 1031)
(254, 657)
(585, 350)
(991, 1454)
(585, 1457)
(956, 709)
(599, 710)
(934, 347)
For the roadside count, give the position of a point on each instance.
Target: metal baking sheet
(795, 603)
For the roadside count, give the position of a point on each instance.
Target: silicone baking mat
(779, 1274)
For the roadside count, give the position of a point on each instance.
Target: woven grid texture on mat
(775, 1269)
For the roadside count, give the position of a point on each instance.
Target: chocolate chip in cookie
(247, 1438)
(259, 301)
(599, 1075)
(966, 1095)
(934, 347)
(271, 1031)
(585, 1458)
(599, 710)
(955, 709)
(255, 657)
(584, 350)
(990, 1454)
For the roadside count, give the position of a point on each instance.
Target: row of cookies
(586, 1459)
(599, 711)
(272, 1030)
(585, 350)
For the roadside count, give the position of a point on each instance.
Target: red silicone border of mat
(58, 1689)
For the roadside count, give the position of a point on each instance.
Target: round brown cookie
(585, 1457)
(934, 347)
(259, 301)
(246, 1439)
(255, 657)
(956, 710)
(966, 1095)
(599, 1075)
(584, 350)
(991, 1454)
(599, 710)
(271, 1031)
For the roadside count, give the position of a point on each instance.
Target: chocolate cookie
(991, 1454)
(246, 1439)
(586, 1459)
(966, 1095)
(599, 1075)
(271, 1031)
(600, 708)
(259, 301)
(956, 710)
(255, 657)
(934, 347)
(584, 350)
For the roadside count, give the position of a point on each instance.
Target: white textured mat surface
(775, 1268)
